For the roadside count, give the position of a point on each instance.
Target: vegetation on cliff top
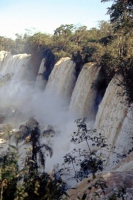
(110, 45)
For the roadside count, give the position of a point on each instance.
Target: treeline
(67, 40)
(110, 45)
(78, 43)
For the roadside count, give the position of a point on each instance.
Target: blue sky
(47, 15)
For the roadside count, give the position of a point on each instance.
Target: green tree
(37, 45)
(121, 56)
(121, 14)
(66, 29)
(6, 44)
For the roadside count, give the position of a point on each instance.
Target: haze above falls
(58, 102)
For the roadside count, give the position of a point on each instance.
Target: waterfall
(4, 58)
(22, 95)
(40, 81)
(112, 111)
(124, 140)
(16, 76)
(62, 78)
(15, 65)
(21, 98)
(111, 114)
(83, 96)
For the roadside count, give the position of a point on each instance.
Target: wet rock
(2, 118)
(22, 133)
(19, 136)
(32, 123)
(24, 130)
(121, 178)
(115, 181)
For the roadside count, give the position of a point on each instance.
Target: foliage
(40, 185)
(121, 56)
(83, 162)
(68, 40)
(8, 175)
(87, 161)
(7, 129)
(6, 44)
(109, 45)
(33, 183)
(29, 183)
(121, 14)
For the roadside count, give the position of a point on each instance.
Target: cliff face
(115, 181)
(114, 121)
(118, 178)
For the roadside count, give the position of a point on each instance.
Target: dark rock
(32, 123)
(2, 118)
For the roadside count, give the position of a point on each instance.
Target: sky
(46, 15)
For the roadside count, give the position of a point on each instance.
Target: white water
(40, 81)
(21, 95)
(15, 65)
(21, 99)
(62, 79)
(4, 56)
(125, 139)
(112, 111)
(111, 114)
(83, 96)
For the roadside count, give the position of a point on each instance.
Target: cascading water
(16, 65)
(111, 114)
(112, 111)
(124, 140)
(62, 78)
(21, 98)
(83, 97)
(4, 56)
(16, 73)
(40, 81)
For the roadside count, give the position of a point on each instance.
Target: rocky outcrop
(24, 130)
(121, 178)
(115, 182)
